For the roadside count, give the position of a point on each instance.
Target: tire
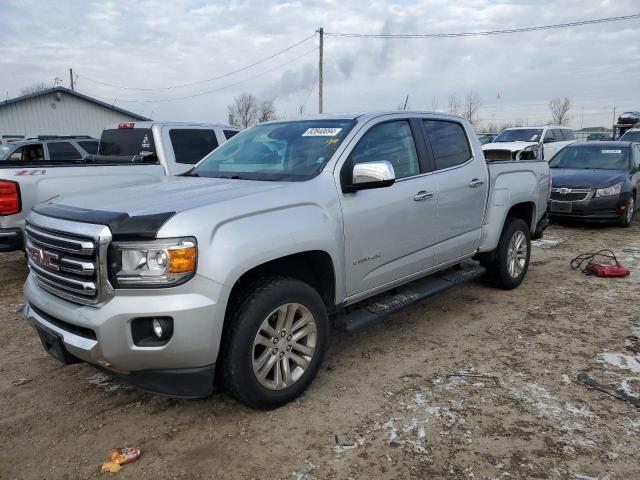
(251, 342)
(501, 271)
(629, 212)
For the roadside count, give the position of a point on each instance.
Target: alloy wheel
(517, 254)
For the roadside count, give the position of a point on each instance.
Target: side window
(191, 145)
(557, 132)
(448, 142)
(91, 147)
(16, 156)
(568, 134)
(61, 151)
(230, 133)
(550, 136)
(637, 162)
(33, 153)
(393, 142)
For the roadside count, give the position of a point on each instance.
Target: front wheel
(630, 209)
(511, 259)
(275, 343)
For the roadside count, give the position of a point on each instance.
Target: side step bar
(380, 306)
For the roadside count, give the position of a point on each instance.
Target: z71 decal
(24, 173)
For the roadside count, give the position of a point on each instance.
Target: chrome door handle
(476, 182)
(422, 196)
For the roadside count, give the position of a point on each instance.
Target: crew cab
(525, 143)
(230, 274)
(129, 153)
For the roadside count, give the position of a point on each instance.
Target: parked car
(235, 267)
(48, 148)
(598, 136)
(525, 143)
(596, 182)
(630, 118)
(485, 137)
(129, 153)
(632, 135)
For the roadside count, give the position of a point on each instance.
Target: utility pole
(320, 76)
(73, 89)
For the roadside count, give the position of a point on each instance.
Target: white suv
(527, 143)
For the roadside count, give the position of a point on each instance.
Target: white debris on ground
(105, 383)
(548, 242)
(621, 360)
(566, 379)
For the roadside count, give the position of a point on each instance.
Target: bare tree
(244, 110)
(266, 111)
(472, 103)
(560, 110)
(454, 104)
(34, 88)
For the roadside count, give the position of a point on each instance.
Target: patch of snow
(548, 242)
(621, 360)
(105, 383)
(565, 379)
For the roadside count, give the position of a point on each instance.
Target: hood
(510, 146)
(586, 178)
(143, 209)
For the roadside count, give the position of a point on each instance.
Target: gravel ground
(475, 383)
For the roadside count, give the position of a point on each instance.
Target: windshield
(286, 151)
(520, 135)
(4, 151)
(592, 157)
(631, 136)
(126, 142)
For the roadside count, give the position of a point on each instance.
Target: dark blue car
(596, 181)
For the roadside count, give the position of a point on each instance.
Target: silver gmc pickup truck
(230, 274)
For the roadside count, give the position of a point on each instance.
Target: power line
(200, 82)
(484, 33)
(206, 92)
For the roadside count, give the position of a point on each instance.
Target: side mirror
(549, 140)
(371, 175)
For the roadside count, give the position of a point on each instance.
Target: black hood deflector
(120, 223)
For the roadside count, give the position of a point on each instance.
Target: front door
(389, 231)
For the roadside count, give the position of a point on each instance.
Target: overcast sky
(154, 44)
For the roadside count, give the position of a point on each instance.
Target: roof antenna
(405, 102)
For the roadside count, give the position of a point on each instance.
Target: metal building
(58, 111)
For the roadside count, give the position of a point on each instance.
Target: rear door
(389, 232)
(461, 189)
(553, 141)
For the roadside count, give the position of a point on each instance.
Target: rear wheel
(275, 343)
(511, 258)
(630, 209)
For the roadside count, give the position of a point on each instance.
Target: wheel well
(524, 211)
(313, 267)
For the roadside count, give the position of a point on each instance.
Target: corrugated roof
(76, 94)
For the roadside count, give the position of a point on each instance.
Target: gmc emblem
(44, 258)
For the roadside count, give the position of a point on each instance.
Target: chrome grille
(68, 258)
(564, 194)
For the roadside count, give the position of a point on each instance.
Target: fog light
(157, 328)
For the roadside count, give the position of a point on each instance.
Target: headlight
(607, 192)
(157, 263)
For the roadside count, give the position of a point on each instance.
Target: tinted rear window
(191, 145)
(568, 135)
(61, 151)
(126, 142)
(230, 133)
(448, 143)
(90, 147)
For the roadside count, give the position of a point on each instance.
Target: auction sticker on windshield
(322, 132)
(611, 151)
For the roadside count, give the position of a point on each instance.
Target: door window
(393, 142)
(449, 143)
(568, 134)
(191, 145)
(28, 153)
(61, 151)
(16, 156)
(91, 146)
(550, 136)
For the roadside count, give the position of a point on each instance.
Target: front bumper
(11, 239)
(596, 209)
(102, 335)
